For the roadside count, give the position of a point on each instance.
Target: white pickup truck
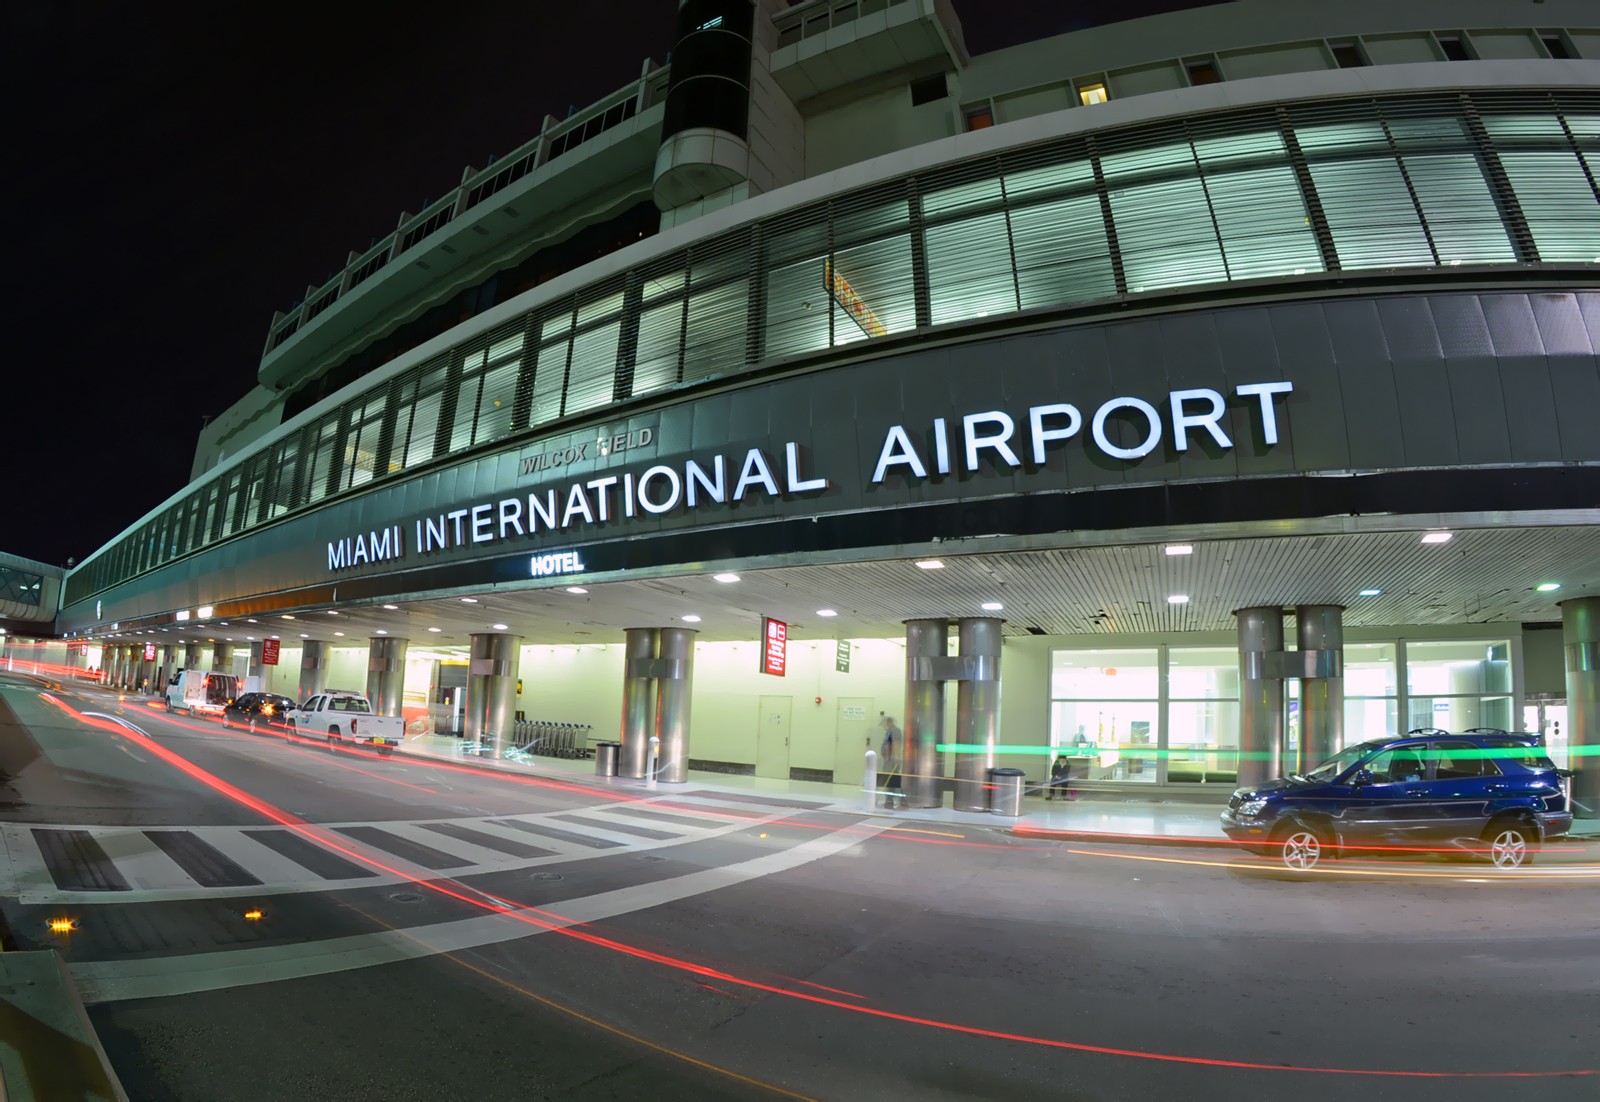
(347, 717)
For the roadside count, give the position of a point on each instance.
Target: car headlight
(1250, 808)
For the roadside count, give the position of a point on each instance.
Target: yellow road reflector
(253, 914)
(63, 925)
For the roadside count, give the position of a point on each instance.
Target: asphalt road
(432, 933)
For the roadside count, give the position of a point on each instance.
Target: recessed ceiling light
(332, 612)
(578, 589)
(1371, 592)
(288, 617)
(382, 632)
(992, 606)
(436, 630)
(339, 633)
(929, 564)
(469, 600)
(250, 621)
(500, 627)
(1179, 549)
(826, 612)
(221, 624)
(1436, 537)
(1548, 587)
(303, 635)
(691, 619)
(1178, 599)
(726, 578)
(391, 608)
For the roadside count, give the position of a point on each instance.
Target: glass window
(655, 363)
(361, 443)
(549, 380)
(591, 380)
(871, 290)
(1165, 234)
(1106, 710)
(1092, 93)
(1453, 761)
(715, 339)
(797, 308)
(1203, 715)
(322, 458)
(1370, 213)
(942, 201)
(1558, 203)
(1461, 213)
(1062, 253)
(496, 400)
(1458, 667)
(1263, 220)
(421, 435)
(969, 269)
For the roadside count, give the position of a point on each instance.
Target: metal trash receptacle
(605, 758)
(1005, 791)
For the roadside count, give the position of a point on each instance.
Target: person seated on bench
(1060, 779)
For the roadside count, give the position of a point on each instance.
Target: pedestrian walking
(892, 751)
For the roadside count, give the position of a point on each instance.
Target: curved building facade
(1222, 386)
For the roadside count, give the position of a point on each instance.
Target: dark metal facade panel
(1377, 437)
(1481, 433)
(1316, 419)
(1575, 397)
(1462, 328)
(1408, 327)
(1511, 322)
(1427, 419)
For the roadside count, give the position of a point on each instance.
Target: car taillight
(266, 709)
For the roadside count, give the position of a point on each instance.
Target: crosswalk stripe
(261, 859)
(406, 848)
(309, 856)
(544, 830)
(142, 863)
(206, 865)
(623, 828)
(485, 840)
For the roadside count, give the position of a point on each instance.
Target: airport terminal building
(1192, 395)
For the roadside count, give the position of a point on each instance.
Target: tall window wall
(1256, 194)
(1146, 714)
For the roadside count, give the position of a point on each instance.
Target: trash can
(605, 758)
(1005, 791)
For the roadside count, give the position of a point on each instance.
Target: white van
(198, 692)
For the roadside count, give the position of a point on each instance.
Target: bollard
(650, 767)
(869, 781)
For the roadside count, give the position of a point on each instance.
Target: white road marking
(160, 977)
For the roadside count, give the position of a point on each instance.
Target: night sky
(179, 172)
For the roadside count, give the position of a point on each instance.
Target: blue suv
(1494, 791)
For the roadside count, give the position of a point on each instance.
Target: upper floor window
(928, 89)
(1454, 48)
(1093, 93)
(1556, 46)
(980, 118)
(1347, 55)
(1202, 71)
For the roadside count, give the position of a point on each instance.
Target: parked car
(259, 711)
(347, 717)
(1481, 791)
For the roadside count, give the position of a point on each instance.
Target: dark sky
(177, 172)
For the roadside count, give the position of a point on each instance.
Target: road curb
(48, 1047)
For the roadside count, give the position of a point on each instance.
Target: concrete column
(313, 669)
(927, 642)
(222, 658)
(638, 700)
(119, 671)
(977, 710)
(386, 673)
(169, 664)
(191, 656)
(147, 669)
(492, 689)
(1580, 634)
(675, 676)
(1322, 683)
(256, 669)
(1260, 693)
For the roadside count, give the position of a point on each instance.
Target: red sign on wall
(269, 652)
(774, 646)
(149, 652)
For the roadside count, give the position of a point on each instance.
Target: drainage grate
(546, 876)
(406, 897)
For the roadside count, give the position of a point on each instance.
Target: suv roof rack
(1427, 731)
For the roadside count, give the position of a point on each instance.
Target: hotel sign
(774, 646)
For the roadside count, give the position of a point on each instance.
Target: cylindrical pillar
(169, 665)
(119, 669)
(147, 671)
(1260, 693)
(672, 703)
(1580, 634)
(1321, 631)
(256, 668)
(222, 658)
(977, 710)
(313, 669)
(927, 641)
(191, 656)
(492, 690)
(638, 700)
(386, 673)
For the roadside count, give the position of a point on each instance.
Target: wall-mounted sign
(853, 713)
(774, 646)
(841, 658)
(852, 304)
(562, 562)
(269, 652)
(149, 652)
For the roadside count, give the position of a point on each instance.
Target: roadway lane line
(162, 977)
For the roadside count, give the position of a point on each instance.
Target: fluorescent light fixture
(691, 619)
(436, 630)
(929, 564)
(380, 631)
(1178, 599)
(1436, 537)
(1371, 592)
(250, 621)
(331, 612)
(286, 616)
(992, 606)
(303, 635)
(183, 614)
(1548, 587)
(1179, 548)
(826, 612)
(392, 608)
(469, 600)
(204, 612)
(578, 589)
(499, 627)
(726, 579)
(340, 634)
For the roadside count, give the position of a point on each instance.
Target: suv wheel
(1511, 844)
(1300, 848)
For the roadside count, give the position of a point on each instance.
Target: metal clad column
(256, 669)
(191, 656)
(672, 703)
(638, 700)
(1260, 693)
(492, 690)
(313, 669)
(1580, 632)
(222, 658)
(386, 673)
(977, 710)
(927, 642)
(1322, 683)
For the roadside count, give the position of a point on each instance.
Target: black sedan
(259, 711)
